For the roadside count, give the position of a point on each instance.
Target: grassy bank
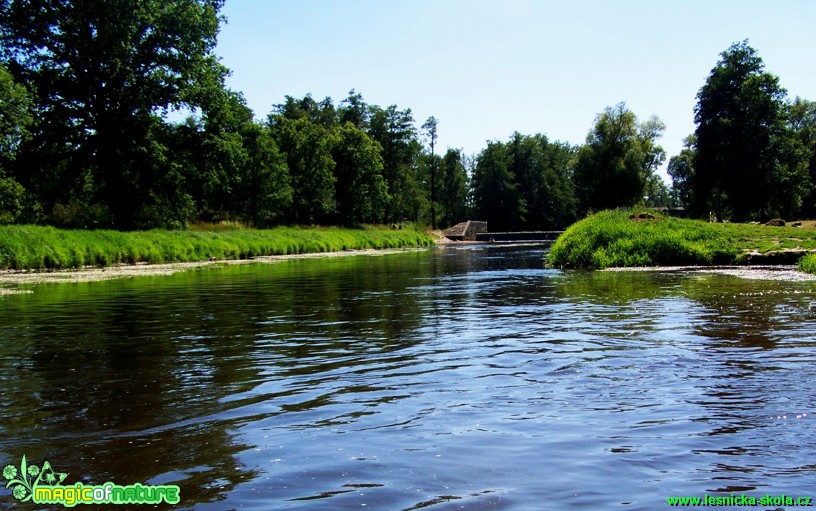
(613, 239)
(24, 247)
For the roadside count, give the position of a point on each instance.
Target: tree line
(87, 91)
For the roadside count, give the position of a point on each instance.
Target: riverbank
(623, 239)
(33, 248)
(93, 274)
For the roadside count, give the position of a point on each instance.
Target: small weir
(473, 230)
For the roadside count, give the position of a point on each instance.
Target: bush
(807, 263)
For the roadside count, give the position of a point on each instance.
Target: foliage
(744, 146)
(104, 74)
(16, 115)
(542, 170)
(620, 155)
(612, 238)
(38, 247)
(430, 130)
(525, 184)
(85, 140)
(802, 120)
(496, 194)
(394, 130)
(453, 193)
(681, 170)
(307, 147)
(12, 200)
(361, 189)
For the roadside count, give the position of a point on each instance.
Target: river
(453, 378)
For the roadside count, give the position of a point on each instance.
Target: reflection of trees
(149, 380)
(120, 392)
(749, 370)
(154, 380)
(736, 311)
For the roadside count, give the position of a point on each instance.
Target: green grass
(807, 263)
(612, 239)
(29, 247)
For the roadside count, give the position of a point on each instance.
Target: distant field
(32, 247)
(613, 239)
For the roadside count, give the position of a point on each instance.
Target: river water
(453, 378)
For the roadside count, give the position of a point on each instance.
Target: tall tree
(803, 123)
(453, 196)
(361, 189)
(496, 196)
(745, 147)
(16, 115)
(430, 131)
(15, 118)
(321, 113)
(308, 150)
(104, 75)
(620, 155)
(395, 131)
(354, 110)
(542, 171)
(234, 166)
(681, 170)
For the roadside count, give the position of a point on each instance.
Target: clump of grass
(612, 238)
(807, 263)
(24, 247)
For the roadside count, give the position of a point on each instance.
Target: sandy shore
(91, 274)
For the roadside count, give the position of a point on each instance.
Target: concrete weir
(474, 230)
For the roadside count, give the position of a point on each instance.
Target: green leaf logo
(22, 482)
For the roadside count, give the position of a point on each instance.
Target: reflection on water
(457, 378)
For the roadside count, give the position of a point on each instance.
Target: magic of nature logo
(44, 485)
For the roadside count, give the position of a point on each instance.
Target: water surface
(454, 378)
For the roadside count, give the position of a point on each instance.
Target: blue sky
(485, 69)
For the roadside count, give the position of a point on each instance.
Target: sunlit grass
(39, 247)
(807, 263)
(612, 239)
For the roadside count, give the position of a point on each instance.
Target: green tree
(803, 122)
(15, 118)
(16, 114)
(105, 72)
(681, 170)
(496, 197)
(235, 168)
(620, 155)
(360, 188)
(264, 193)
(657, 193)
(354, 110)
(430, 130)
(394, 130)
(453, 193)
(321, 113)
(542, 171)
(308, 150)
(748, 162)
